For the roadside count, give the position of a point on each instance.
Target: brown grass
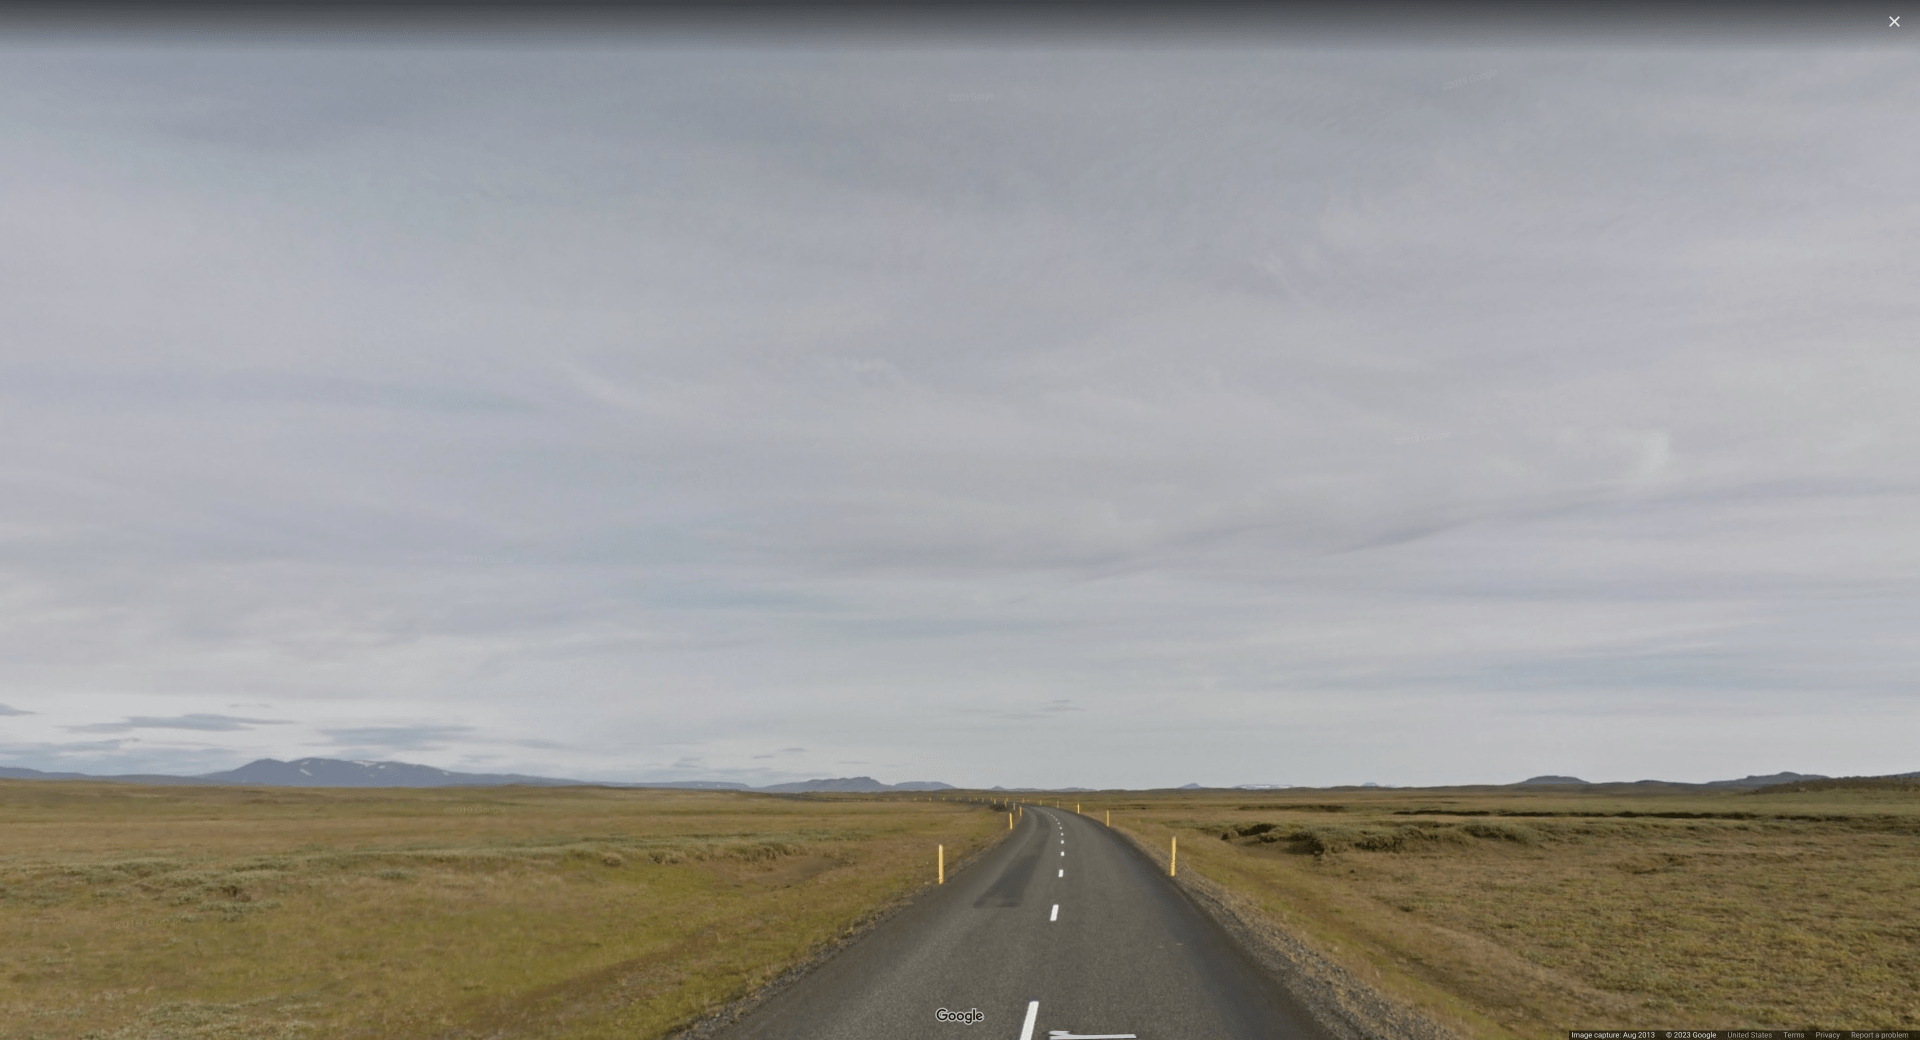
(195, 913)
(1510, 913)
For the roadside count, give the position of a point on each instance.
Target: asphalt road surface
(1064, 931)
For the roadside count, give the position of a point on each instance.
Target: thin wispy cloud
(206, 723)
(41, 750)
(396, 737)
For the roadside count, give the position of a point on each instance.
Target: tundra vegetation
(196, 913)
(1516, 912)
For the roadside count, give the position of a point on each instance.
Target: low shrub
(1513, 832)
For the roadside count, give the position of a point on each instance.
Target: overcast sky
(997, 413)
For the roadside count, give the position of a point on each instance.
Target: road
(1063, 931)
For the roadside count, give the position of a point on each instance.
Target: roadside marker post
(1009, 821)
(1109, 817)
(943, 865)
(1173, 859)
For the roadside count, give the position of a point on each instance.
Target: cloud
(61, 749)
(193, 721)
(549, 745)
(5, 710)
(396, 737)
(1334, 409)
(1047, 710)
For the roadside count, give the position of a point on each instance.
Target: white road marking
(1063, 872)
(1061, 1034)
(1063, 852)
(1033, 1012)
(1056, 913)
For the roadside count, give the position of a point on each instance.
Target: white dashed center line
(1033, 1012)
(1056, 913)
(1063, 872)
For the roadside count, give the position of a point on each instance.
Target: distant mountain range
(854, 784)
(1745, 781)
(333, 772)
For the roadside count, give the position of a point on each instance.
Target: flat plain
(222, 913)
(1510, 912)
(215, 913)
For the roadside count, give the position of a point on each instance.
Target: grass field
(217, 913)
(1511, 913)
(211, 913)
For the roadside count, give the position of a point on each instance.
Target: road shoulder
(1342, 1003)
(712, 1023)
